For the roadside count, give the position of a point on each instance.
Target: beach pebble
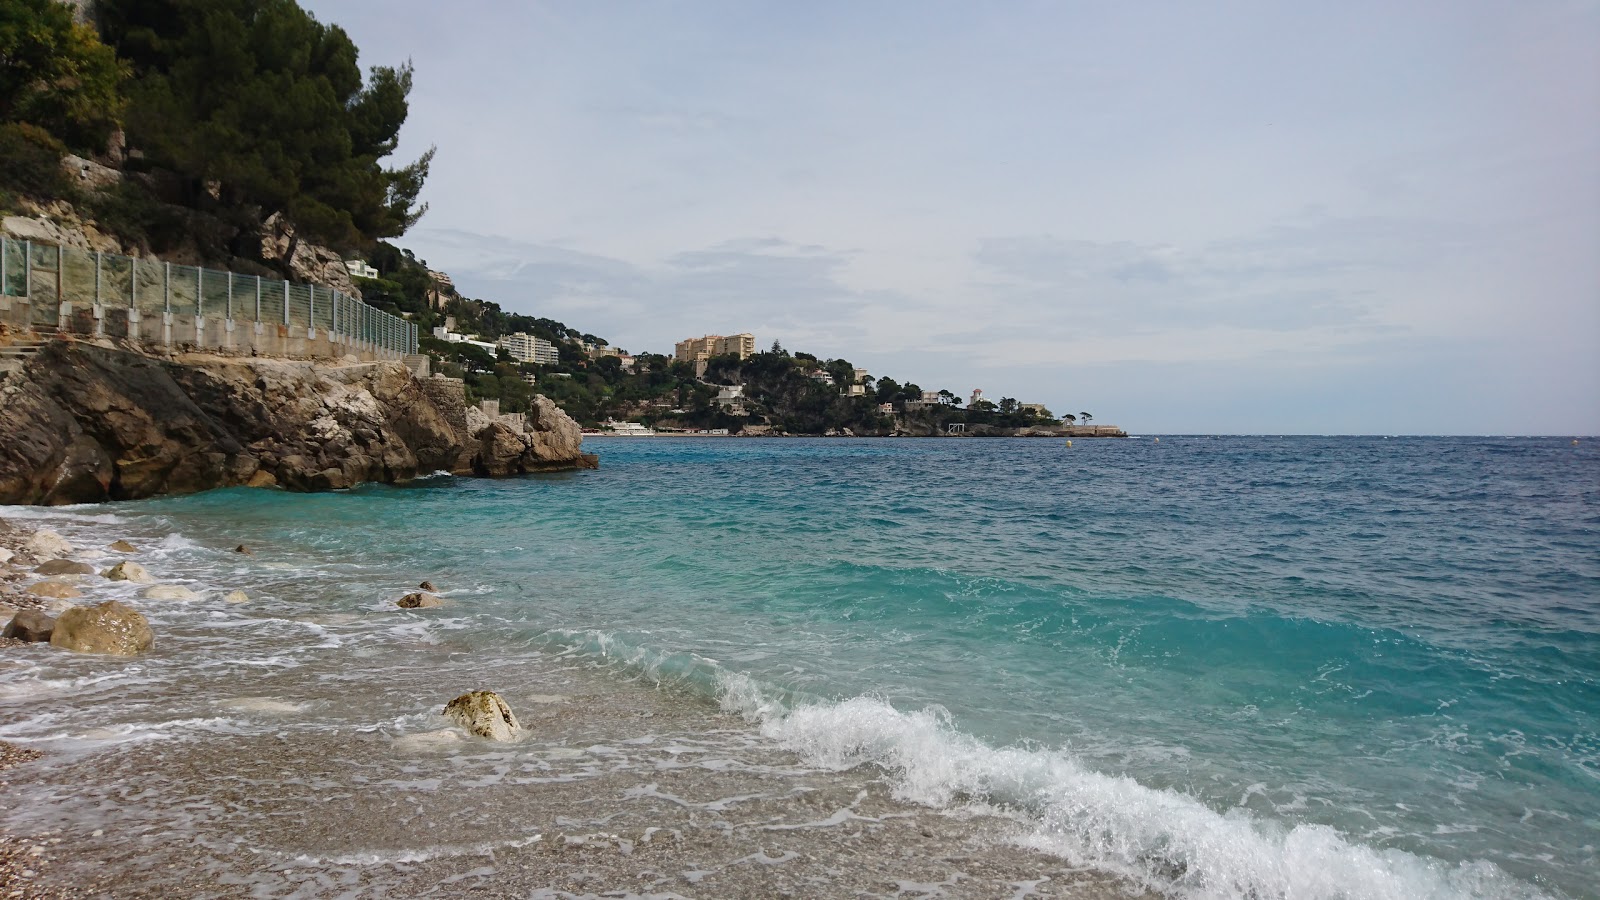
(46, 543)
(30, 625)
(236, 597)
(128, 570)
(169, 592)
(64, 567)
(418, 601)
(109, 627)
(59, 590)
(124, 547)
(484, 714)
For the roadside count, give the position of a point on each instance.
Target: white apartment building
(527, 348)
(358, 268)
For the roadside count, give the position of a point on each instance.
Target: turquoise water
(1298, 667)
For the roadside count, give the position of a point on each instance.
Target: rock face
(418, 601)
(110, 627)
(30, 625)
(64, 567)
(551, 443)
(128, 570)
(305, 260)
(484, 714)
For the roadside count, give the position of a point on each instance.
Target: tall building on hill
(527, 348)
(703, 348)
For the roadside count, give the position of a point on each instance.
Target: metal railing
(48, 275)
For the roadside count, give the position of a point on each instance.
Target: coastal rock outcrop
(128, 570)
(419, 601)
(63, 567)
(484, 714)
(30, 625)
(110, 627)
(90, 422)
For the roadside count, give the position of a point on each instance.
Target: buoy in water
(1069, 443)
(1158, 440)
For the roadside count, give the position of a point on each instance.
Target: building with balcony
(703, 348)
(530, 349)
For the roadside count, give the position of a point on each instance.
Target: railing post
(199, 292)
(27, 270)
(258, 298)
(286, 302)
(229, 307)
(3, 283)
(166, 287)
(97, 258)
(133, 283)
(311, 309)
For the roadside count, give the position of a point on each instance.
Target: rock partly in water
(243, 549)
(427, 586)
(169, 592)
(484, 714)
(550, 442)
(418, 601)
(236, 597)
(127, 570)
(123, 547)
(58, 590)
(63, 567)
(46, 543)
(30, 625)
(110, 627)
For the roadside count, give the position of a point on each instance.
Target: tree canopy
(262, 105)
(55, 74)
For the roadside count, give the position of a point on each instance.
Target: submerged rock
(418, 601)
(128, 570)
(484, 714)
(64, 567)
(110, 627)
(30, 625)
(427, 586)
(243, 549)
(124, 547)
(46, 543)
(169, 592)
(236, 597)
(59, 590)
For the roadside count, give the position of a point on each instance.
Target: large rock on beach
(418, 600)
(63, 567)
(59, 590)
(484, 714)
(127, 570)
(169, 592)
(30, 625)
(44, 543)
(88, 422)
(110, 627)
(5, 556)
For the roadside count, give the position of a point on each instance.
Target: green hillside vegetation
(232, 110)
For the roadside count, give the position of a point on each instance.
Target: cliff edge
(87, 421)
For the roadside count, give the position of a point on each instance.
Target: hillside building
(703, 348)
(527, 348)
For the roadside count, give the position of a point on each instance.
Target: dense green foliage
(32, 162)
(265, 108)
(56, 75)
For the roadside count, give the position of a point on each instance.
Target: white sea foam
(1164, 840)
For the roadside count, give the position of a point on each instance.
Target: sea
(1187, 667)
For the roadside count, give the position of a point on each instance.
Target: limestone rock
(305, 260)
(418, 601)
(124, 547)
(427, 586)
(5, 556)
(58, 590)
(31, 625)
(46, 543)
(243, 549)
(109, 627)
(484, 714)
(64, 567)
(128, 570)
(236, 597)
(169, 592)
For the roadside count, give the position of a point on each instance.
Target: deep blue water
(1254, 662)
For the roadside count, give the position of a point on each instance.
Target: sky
(1231, 217)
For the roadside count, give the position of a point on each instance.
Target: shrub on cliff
(32, 162)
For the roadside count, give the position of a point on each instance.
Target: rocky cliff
(88, 421)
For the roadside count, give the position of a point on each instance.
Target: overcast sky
(1259, 217)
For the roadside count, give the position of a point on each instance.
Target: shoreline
(701, 805)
